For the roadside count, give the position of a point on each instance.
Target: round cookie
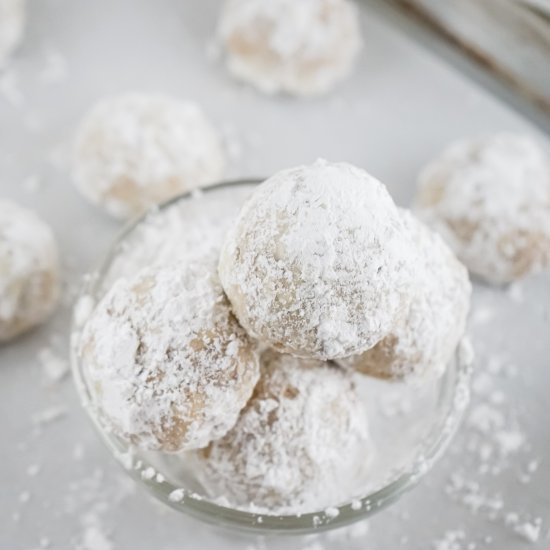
(29, 270)
(167, 364)
(12, 23)
(299, 47)
(302, 441)
(318, 264)
(425, 338)
(490, 200)
(136, 150)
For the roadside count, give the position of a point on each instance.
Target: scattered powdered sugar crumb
(177, 495)
(358, 530)
(529, 530)
(332, 512)
(471, 495)
(92, 500)
(54, 367)
(451, 540)
(148, 473)
(94, 538)
(492, 444)
(33, 470)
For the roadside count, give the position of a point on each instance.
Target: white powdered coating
(135, 150)
(12, 22)
(168, 366)
(490, 199)
(29, 270)
(191, 227)
(301, 47)
(318, 262)
(425, 338)
(301, 443)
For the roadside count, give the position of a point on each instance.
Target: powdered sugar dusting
(185, 229)
(424, 340)
(302, 48)
(29, 263)
(135, 150)
(490, 199)
(167, 364)
(318, 262)
(197, 226)
(301, 443)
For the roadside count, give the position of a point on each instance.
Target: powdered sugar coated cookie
(136, 150)
(425, 338)
(168, 366)
(301, 443)
(318, 264)
(301, 47)
(29, 270)
(490, 200)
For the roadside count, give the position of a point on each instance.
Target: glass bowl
(411, 425)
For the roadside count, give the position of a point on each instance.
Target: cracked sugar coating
(424, 340)
(168, 366)
(318, 262)
(136, 150)
(301, 47)
(300, 444)
(29, 270)
(490, 200)
(12, 22)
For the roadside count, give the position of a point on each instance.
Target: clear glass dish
(422, 419)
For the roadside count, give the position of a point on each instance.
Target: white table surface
(58, 486)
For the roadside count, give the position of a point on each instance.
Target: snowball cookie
(490, 199)
(318, 262)
(425, 338)
(12, 22)
(29, 270)
(135, 150)
(301, 47)
(302, 441)
(168, 366)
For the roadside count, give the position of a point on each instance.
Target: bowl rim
(456, 392)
